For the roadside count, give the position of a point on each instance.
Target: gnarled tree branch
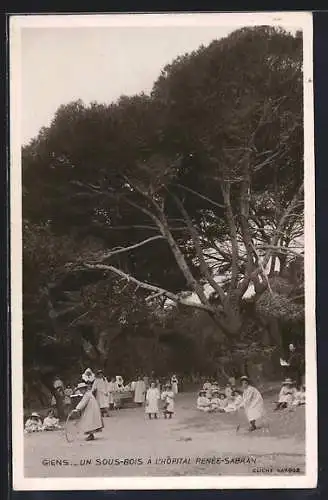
(152, 288)
(196, 241)
(127, 249)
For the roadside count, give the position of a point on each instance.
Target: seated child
(215, 401)
(168, 398)
(207, 386)
(299, 397)
(33, 424)
(203, 402)
(286, 395)
(238, 398)
(215, 387)
(223, 402)
(233, 402)
(51, 423)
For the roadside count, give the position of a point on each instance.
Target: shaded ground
(192, 443)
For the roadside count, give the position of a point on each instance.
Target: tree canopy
(185, 198)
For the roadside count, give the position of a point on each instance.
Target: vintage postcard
(162, 251)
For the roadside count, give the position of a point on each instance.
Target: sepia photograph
(162, 251)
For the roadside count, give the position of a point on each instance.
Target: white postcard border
(284, 19)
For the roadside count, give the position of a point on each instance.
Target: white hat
(35, 414)
(81, 385)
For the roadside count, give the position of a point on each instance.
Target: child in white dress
(152, 398)
(203, 402)
(168, 398)
(51, 423)
(33, 424)
(299, 397)
(286, 395)
(215, 401)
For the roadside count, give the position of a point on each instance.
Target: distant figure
(119, 383)
(33, 423)
(58, 383)
(51, 423)
(88, 376)
(203, 402)
(174, 384)
(60, 402)
(286, 395)
(222, 402)
(252, 402)
(53, 402)
(215, 388)
(59, 397)
(68, 391)
(234, 402)
(90, 420)
(139, 391)
(152, 398)
(215, 401)
(295, 365)
(146, 380)
(111, 392)
(207, 386)
(100, 391)
(228, 390)
(238, 399)
(299, 397)
(168, 398)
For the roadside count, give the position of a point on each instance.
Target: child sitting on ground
(238, 399)
(207, 386)
(233, 402)
(223, 402)
(33, 424)
(299, 397)
(168, 398)
(216, 401)
(215, 387)
(51, 423)
(286, 395)
(203, 402)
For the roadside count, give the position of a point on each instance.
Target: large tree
(197, 187)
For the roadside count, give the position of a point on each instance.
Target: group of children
(98, 395)
(290, 396)
(212, 398)
(34, 423)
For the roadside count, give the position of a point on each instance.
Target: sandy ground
(192, 443)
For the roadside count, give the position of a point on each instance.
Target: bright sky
(97, 64)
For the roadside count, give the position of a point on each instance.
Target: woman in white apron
(139, 391)
(100, 391)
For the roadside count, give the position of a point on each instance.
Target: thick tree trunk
(233, 314)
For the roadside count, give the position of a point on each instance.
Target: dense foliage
(147, 221)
